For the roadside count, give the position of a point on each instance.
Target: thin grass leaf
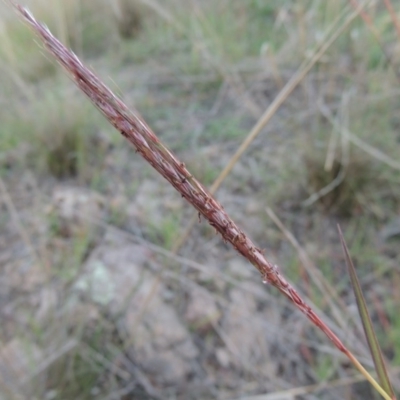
(373, 344)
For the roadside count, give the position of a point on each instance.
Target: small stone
(76, 210)
(165, 367)
(222, 357)
(115, 277)
(202, 311)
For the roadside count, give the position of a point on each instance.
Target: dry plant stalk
(133, 127)
(147, 144)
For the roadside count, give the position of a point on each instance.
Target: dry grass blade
(230, 76)
(270, 112)
(375, 349)
(372, 151)
(305, 390)
(133, 128)
(344, 141)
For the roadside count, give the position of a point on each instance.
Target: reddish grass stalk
(133, 127)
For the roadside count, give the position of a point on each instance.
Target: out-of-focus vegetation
(201, 73)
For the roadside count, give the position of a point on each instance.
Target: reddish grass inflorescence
(133, 127)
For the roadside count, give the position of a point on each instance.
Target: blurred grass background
(201, 74)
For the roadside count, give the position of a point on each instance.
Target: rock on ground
(115, 277)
